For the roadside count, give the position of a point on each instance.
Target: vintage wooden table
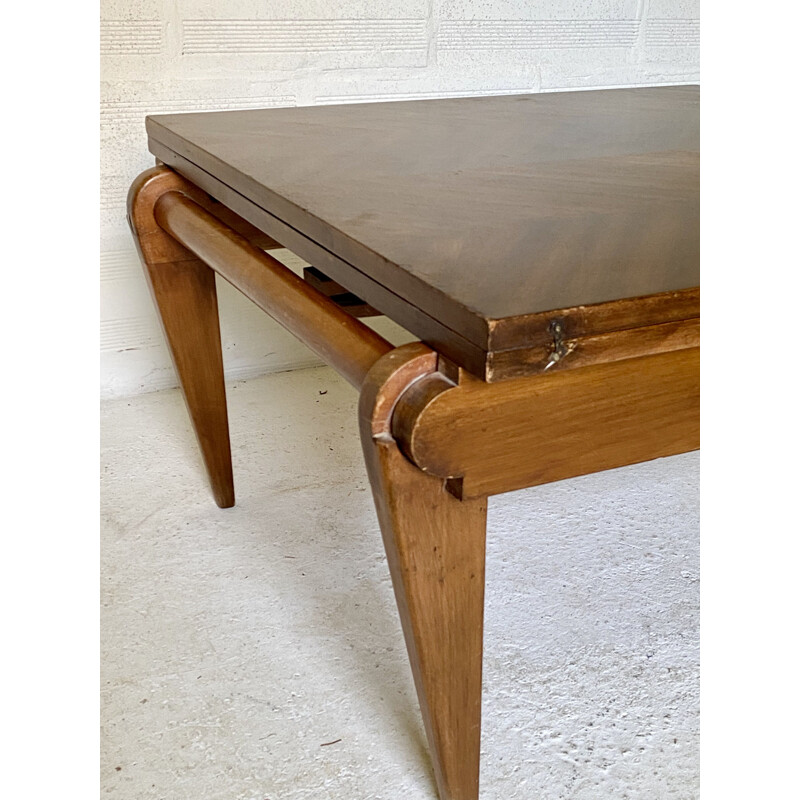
(545, 250)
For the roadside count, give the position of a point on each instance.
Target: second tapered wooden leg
(184, 291)
(435, 546)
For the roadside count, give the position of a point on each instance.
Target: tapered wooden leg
(435, 546)
(184, 292)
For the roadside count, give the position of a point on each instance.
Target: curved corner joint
(152, 242)
(410, 408)
(390, 376)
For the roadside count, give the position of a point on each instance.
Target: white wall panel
(161, 56)
(131, 37)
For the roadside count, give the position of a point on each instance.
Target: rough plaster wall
(163, 56)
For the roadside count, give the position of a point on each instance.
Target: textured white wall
(191, 55)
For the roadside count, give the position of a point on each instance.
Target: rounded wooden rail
(346, 344)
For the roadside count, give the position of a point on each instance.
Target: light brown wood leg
(435, 546)
(184, 292)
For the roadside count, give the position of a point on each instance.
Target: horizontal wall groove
(131, 37)
(672, 33)
(113, 193)
(539, 34)
(129, 334)
(118, 265)
(203, 36)
(136, 110)
(304, 25)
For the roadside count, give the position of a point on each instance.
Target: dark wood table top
(474, 222)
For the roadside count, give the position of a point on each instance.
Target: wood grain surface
(489, 215)
(435, 547)
(346, 344)
(185, 295)
(494, 438)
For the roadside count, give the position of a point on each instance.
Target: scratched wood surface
(487, 216)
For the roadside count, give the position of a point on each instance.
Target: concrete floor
(256, 653)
